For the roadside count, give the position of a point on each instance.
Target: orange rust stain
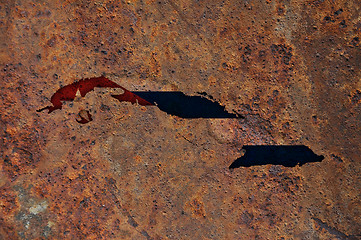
(8, 201)
(197, 208)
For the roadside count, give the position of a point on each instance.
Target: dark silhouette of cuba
(174, 103)
(285, 155)
(181, 105)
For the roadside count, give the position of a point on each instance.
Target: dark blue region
(285, 155)
(181, 105)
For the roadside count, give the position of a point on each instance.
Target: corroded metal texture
(292, 68)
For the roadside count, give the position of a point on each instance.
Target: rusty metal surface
(292, 68)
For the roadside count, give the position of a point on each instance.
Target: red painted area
(84, 86)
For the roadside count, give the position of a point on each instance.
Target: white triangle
(78, 94)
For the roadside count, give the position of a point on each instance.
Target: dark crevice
(286, 155)
(334, 231)
(204, 94)
(114, 192)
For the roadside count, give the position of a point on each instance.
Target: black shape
(181, 105)
(285, 155)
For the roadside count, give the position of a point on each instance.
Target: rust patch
(196, 207)
(356, 97)
(8, 201)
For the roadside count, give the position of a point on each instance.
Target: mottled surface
(292, 68)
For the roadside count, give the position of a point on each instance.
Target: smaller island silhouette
(285, 155)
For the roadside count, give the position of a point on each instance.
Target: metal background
(291, 67)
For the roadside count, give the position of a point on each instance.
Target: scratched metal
(292, 68)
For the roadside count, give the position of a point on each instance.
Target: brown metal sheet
(291, 68)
